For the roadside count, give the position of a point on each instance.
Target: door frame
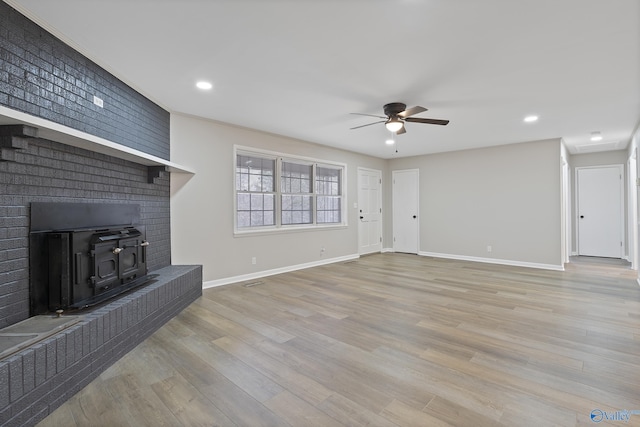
(379, 173)
(632, 203)
(566, 211)
(620, 168)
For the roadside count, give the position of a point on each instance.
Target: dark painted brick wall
(42, 76)
(47, 171)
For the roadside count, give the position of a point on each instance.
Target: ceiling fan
(397, 114)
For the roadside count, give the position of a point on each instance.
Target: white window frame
(317, 194)
(261, 193)
(280, 192)
(280, 157)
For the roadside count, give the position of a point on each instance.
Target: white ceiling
(299, 67)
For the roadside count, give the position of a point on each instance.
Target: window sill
(288, 229)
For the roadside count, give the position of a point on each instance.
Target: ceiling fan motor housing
(394, 108)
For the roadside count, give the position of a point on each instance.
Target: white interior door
(600, 211)
(369, 210)
(405, 193)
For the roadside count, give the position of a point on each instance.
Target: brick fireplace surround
(44, 78)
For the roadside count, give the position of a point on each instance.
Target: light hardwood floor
(387, 340)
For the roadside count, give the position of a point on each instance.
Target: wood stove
(74, 264)
(86, 266)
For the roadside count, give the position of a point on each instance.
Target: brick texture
(42, 76)
(38, 379)
(47, 171)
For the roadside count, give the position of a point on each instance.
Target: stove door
(81, 260)
(105, 267)
(130, 260)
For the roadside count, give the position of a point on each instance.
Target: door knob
(361, 217)
(581, 216)
(414, 217)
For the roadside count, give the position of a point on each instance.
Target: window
(296, 194)
(279, 192)
(255, 191)
(328, 190)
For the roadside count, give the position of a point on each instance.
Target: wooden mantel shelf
(69, 136)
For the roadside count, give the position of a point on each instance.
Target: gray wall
(507, 197)
(202, 204)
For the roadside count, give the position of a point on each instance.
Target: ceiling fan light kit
(394, 124)
(397, 114)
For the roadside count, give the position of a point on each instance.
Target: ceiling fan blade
(427, 121)
(412, 111)
(369, 124)
(401, 131)
(369, 115)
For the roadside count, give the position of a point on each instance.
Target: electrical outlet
(322, 251)
(98, 101)
(489, 248)
(254, 261)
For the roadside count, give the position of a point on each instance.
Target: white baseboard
(495, 261)
(625, 257)
(265, 273)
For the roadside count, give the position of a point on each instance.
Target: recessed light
(596, 136)
(204, 85)
(531, 119)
